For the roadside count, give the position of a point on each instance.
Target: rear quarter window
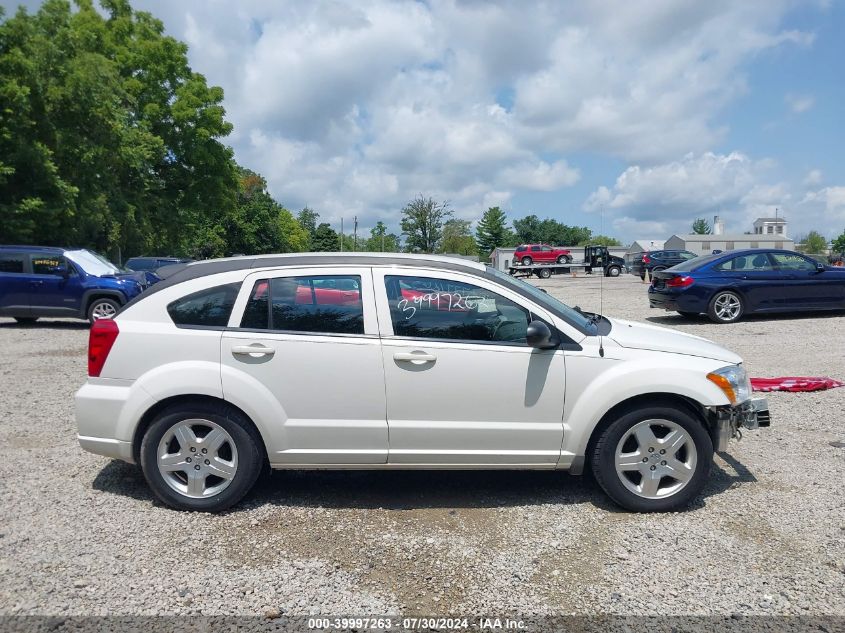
(211, 307)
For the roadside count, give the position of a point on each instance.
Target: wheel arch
(93, 294)
(682, 402)
(185, 399)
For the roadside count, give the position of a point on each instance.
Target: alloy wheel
(197, 458)
(727, 307)
(655, 458)
(103, 310)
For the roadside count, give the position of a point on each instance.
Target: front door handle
(260, 350)
(413, 357)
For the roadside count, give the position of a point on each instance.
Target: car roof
(173, 274)
(43, 249)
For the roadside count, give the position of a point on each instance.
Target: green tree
(533, 230)
(326, 239)
(838, 245)
(458, 239)
(422, 224)
(602, 240)
(814, 242)
(259, 224)
(701, 227)
(307, 219)
(380, 241)
(108, 139)
(492, 231)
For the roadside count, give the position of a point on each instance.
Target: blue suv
(42, 281)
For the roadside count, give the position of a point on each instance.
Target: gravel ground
(81, 534)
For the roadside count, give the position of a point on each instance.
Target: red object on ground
(794, 383)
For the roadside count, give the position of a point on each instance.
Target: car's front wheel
(564, 259)
(102, 308)
(653, 459)
(725, 307)
(199, 457)
(614, 271)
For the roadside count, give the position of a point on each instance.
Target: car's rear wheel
(725, 307)
(198, 457)
(526, 261)
(652, 459)
(102, 308)
(544, 273)
(26, 320)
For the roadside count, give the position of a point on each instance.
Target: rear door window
(746, 263)
(207, 308)
(12, 263)
(324, 304)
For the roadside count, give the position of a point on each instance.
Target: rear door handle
(253, 349)
(418, 356)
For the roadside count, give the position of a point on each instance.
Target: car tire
(177, 435)
(726, 306)
(563, 259)
(102, 308)
(26, 320)
(688, 315)
(526, 261)
(614, 271)
(544, 273)
(616, 458)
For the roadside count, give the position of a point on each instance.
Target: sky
(631, 118)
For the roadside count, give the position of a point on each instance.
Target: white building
(706, 244)
(770, 226)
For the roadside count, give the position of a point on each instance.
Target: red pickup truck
(527, 254)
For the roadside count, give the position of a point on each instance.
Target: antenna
(604, 264)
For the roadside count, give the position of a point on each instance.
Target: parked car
(527, 254)
(153, 263)
(42, 281)
(398, 361)
(655, 261)
(729, 285)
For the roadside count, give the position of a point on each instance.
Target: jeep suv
(527, 254)
(42, 281)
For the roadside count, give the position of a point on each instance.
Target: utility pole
(341, 235)
(382, 242)
(355, 233)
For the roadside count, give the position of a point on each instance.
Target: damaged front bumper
(727, 421)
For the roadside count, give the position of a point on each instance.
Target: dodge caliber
(373, 361)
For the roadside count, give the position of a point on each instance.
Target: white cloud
(799, 103)
(813, 177)
(354, 107)
(655, 201)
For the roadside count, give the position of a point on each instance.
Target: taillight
(684, 281)
(102, 336)
(646, 260)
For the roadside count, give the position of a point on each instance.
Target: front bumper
(727, 421)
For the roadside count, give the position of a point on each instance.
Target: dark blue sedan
(729, 285)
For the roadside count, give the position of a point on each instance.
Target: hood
(635, 335)
(144, 278)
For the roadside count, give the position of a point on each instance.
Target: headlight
(733, 381)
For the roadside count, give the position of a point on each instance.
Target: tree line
(110, 141)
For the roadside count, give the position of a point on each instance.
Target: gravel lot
(81, 534)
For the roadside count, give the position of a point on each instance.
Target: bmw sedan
(729, 285)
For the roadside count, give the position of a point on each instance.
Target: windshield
(556, 307)
(92, 263)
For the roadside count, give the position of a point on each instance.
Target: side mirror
(61, 270)
(820, 268)
(539, 335)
